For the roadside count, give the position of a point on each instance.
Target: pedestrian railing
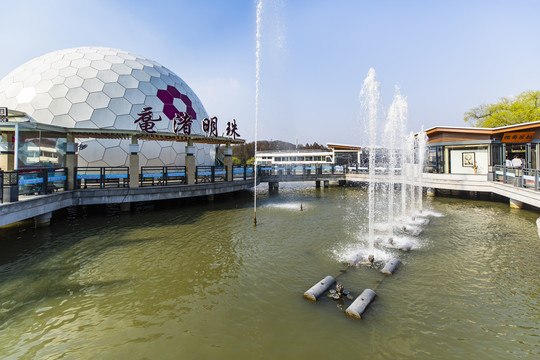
(505, 175)
(315, 169)
(163, 175)
(1, 186)
(210, 174)
(526, 178)
(32, 181)
(101, 177)
(242, 172)
(529, 179)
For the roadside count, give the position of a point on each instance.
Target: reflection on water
(200, 281)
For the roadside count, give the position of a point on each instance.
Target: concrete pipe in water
(319, 288)
(357, 308)
(390, 266)
(405, 247)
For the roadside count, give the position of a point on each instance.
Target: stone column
(71, 161)
(227, 162)
(190, 163)
(7, 152)
(134, 162)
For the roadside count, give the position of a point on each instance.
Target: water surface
(199, 281)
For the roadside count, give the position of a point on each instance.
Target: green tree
(508, 111)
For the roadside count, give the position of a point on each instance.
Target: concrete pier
(273, 186)
(43, 204)
(43, 219)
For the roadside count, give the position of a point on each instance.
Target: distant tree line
(245, 153)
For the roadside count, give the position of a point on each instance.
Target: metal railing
(316, 169)
(32, 181)
(243, 172)
(526, 178)
(505, 175)
(210, 174)
(101, 177)
(529, 179)
(163, 175)
(1, 186)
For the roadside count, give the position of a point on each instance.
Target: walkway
(40, 207)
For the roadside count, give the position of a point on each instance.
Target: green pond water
(199, 281)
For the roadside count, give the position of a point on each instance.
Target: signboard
(517, 137)
(3, 114)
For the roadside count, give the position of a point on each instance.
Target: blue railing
(243, 172)
(210, 174)
(32, 181)
(315, 169)
(101, 177)
(163, 175)
(40, 181)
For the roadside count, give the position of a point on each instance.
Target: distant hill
(246, 151)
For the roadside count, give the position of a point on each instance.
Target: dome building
(104, 88)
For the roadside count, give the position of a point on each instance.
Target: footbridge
(274, 174)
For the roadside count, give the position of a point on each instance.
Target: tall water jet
(395, 130)
(411, 171)
(370, 99)
(422, 147)
(257, 75)
(403, 113)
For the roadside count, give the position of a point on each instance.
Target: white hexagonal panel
(114, 89)
(77, 94)
(93, 87)
(120, 106)
(103, 118)
(58, 91)
(134, 96)
(60, 106)
(98, 100)
(151, 149)
(81, 111)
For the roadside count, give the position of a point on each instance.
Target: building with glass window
(467, 150)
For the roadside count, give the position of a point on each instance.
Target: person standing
(516, 162)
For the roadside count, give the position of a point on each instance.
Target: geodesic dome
(96, 87)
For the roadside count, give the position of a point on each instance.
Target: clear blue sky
(447, 56)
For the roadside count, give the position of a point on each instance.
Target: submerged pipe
(357, 308)
(390, 266)
(405, 247)
(319, 288)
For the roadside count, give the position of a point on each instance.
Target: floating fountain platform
(390, 266)
(319, 288)
(357, 308)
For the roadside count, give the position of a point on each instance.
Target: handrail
(101, 177)
(163, 175)
(32, 181)
(519, 177)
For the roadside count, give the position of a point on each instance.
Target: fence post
(164, 176)
(102, 178)
(536, 180)
(45, 183)
(213, 173)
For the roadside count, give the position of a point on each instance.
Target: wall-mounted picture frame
(468, 159)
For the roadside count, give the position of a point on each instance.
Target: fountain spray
(422, 146)
(370, 100)
(257, 74)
